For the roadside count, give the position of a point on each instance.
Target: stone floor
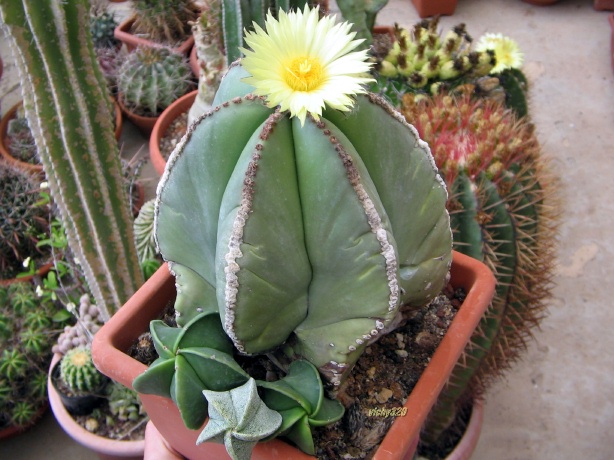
(558, 402)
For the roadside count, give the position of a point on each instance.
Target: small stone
(402, 353)
(371, 372)
(384, 395)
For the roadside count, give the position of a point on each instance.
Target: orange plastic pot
(123, 34)
(428, 8)
(117, 335)
(170, 114)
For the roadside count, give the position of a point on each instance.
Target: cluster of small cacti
(26, 336)
(89, 321)
(124, 403)
(78, 372)
(421, 56)
(503, 211)
(102, 27)
(22, 220)
(164, 21)
(150, 79)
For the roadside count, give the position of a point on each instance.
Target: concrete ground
(558, 402)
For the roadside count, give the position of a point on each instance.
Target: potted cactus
(23, 221)
(293, 235)
(158, 23)
(148, 81)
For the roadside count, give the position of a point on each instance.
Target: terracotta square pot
(116, 336)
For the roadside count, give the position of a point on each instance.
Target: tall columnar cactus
(503, 211)
(70, 112)
(164, 21)
(21, 220)
(150, 79)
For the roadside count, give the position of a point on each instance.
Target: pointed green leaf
(157, 378)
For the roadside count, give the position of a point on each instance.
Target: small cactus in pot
(165, 22)
(22, 219)
(78, 372)
(150, 79)
(302, 219)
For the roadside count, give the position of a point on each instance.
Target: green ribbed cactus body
(164, 21)
(102, 26)
(312, 236)
(150, 79)
(78, 372)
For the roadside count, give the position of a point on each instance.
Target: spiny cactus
(20, 140)
(78, 372)
(102, 27)
(422, 61)
(150, 79)
(164, 21)
(503, 210)
(22, 221)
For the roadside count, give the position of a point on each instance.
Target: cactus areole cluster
(300, 233)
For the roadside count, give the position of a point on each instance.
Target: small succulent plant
(102, 27)
(150, 79)
(26, 352)
(22, 220)
(124, 403)
(20, 141)
(164, 21)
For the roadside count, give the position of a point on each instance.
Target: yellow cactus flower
(302, 63)
(507, 51)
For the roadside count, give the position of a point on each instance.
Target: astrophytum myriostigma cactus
(308, 237)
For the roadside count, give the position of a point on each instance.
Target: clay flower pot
(170, 114)
(107, 449)
(123, 34)
(144, 124)
(465, 447)
(604, 5)
(38, 168)
(427, 8)
(116, 336)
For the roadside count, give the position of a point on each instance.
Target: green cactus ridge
(150, 79)
(78, 372)
(165, 21)
(323, 231)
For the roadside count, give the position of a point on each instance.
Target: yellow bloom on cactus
(507, 52)
(302, 63)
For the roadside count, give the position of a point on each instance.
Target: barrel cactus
(78, 372)
(22, 221)
(301, 223)
(150, 79)
(164, 21)
(503, 211)
(102, 26)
